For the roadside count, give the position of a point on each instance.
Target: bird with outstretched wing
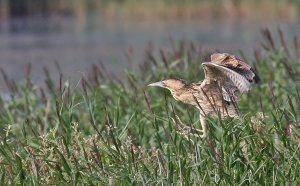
(216, 95)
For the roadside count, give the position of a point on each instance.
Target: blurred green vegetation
(176, 9)
(104, 131)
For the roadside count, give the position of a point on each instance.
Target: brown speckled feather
(229, 80)
(209, 99)
(235, 64)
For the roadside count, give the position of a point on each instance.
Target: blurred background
(78, 33)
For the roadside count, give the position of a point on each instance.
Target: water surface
(77, 44)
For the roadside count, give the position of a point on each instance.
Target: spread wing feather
(231, 62)
(228, 79)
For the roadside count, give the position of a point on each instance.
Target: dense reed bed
(104, 131)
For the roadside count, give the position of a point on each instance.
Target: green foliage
(111, 132)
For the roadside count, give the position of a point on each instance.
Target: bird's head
(171, 84)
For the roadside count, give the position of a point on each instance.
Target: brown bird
(216, 94)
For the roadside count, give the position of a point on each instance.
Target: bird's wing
(218, 58)
(227, 77)
(229, 94)
(235, 64)
(229, 61)
(250, 75)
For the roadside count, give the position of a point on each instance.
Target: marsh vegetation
(106, 131)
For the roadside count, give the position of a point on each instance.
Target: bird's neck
(175, 94)
(180, 94)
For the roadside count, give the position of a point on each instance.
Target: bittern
(216, 95)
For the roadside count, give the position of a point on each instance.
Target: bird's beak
(157, 84)
(206, 63)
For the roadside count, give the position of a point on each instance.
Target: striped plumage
(208, 99)
(216, 95)
(231, 62)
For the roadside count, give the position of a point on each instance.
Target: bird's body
(216, 95)
(208, 99)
